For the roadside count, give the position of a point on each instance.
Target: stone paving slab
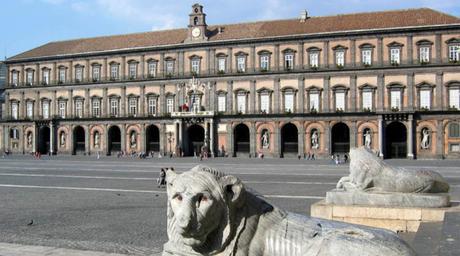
(7, 249)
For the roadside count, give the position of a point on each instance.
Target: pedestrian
(162, 178)
(98, 155)
(337, 159)
(312, 156)
(345, 158)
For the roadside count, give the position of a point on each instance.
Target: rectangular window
(196, 66)
(222, 64)
(61, 75)
(114, 107)
(96, 107)
(395, 100)
(222, 103)
(395, 56)
(264, 62)
(170, 67)
(46, 109)
(196, 102)
(79, 74)
(170, 105)
(30, 109)
(367, 57)
(314, 59)
(46, 77)
(241, 103)
(340, 58)
(424, 54)
(454, 52)
(314, 101)
(14, 78)
(340, 100)
(454, 98)
(265, 103)
(241, 64)
(152, 106)
(14, 110)
(96, 73)
(132, 70)
(114, 72)
(454, 147)
(289, 102)
(132, 103)
(62, 109)
(79, 108)
(425, 99)
(289, 61)
(367, 100)
(30, 77)
(152, 69)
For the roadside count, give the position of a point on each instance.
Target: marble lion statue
(369, 173)
(210, 213)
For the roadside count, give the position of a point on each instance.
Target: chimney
(303, 16)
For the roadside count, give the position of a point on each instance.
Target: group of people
(336, 159)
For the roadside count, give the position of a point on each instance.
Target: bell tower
(197, 27)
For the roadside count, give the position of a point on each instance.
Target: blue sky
(27, 24)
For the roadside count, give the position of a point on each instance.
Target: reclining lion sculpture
(210, 213)
(369, 173)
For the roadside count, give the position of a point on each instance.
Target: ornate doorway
(396, 140)
(340, 139)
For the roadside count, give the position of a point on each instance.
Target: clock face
(196, 32)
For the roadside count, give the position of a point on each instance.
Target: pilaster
(277, 57)
(142, 102)
(252, 139)
(87, 101)
(326, 93)
(440, 139)
(229, 97)
(87, 139)
(277, 140)
(353, 134)
(301, 95)
(410, 92)
(230, 138)
(438, 48)
(253, 58)
(162, 100)
(410, 49)
(380, 92)
(300, 49)
(105, 102)
(440, 104)
(410, 137)
(123, 137)
(326, 54)
(252, 94)
(353, 52)
(301, 140)
(380, 51)
(276, 96)
(123, 102)
(353, 93)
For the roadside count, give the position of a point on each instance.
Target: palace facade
(387, 80)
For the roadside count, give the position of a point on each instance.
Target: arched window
(454, 130)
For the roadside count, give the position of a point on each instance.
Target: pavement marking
(31, 250)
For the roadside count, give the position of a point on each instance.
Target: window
(114, 107)
(30, 109)
(289, 61)
(195, 100)
(61, 75)
(96, 107)
(340, 100)
(96, 73)
(455, 147)
(132, 106)
(340, 58)
(195, 66)
(425, 98)
(14, 134)
(221, 102)
(367, 57)
(241, 103)
(222, 64)
(152, 106)
(314, 59)
(367, 100)
(424, 54)
(289, 101)
(132, 70)
(46, 109)
(395, 99)
(454, 52)
(454, 98)
(395, 56)
(314, 101)
(30, 77)
(62, 108)
(264, 62)
(170, 105)
(454, 130)
(15, 110)
(46, 76)
(241, 64)
(78, 74)
(265, 102)
(14, 78)
(79, 108)
(170, 67)
(152, 66)
(114, 71)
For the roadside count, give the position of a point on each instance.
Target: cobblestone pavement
(113, 205)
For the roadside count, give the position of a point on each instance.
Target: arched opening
(396, 140)
(153, 139)
(79, 140)
(241, 135)
(44, 140)
(289, 139)
(195, 135)
(340, 139)
(114, 144)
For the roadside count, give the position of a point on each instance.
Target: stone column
(380, 51)
(438, 48)
(36, 104)
(162, 138)
(300, 49)
(181, 131)
(142, 67)
(161, 65)
(212, 96)
(53, 104)
(123, 102)
(277, 57)
(410, 92)
(326, 94)
(440, 139)
(277, 140)
(123, 137)
(276, 96)
(142, 102)
(381, 137)
(123, 68)
(6, 137)
(212, 146)
(230, 59)
(301, 140)
(106, 140)
(252, 95)
(253, 58)
(162, 106)
(22, 106)
(326, 54)
(252, 139)
(327, 137)
(410, 137)
(410, 50)
(229, 148)
(180, 61)
(87, 101)
(106, 70)
(301, 95)
(439, 91)
(212, 60)
(353, 52)
(143, 139)
(72, 141)
(353, 93)
(104, 102)
(87, 70)
(353, 134)
(7, 106)
(52, 137)
(208, 61)
(381, 92)
(229, 97)
(70, 104)
(35, 139)
(87, 140)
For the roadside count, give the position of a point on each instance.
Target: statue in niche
(96, 139)
(211, 213)
(266, 139)
(133, 140)
(315, 140)
(425, 138)
(63, 140)
(367, 138)
(29, 139)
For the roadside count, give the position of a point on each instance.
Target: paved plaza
(114, 205)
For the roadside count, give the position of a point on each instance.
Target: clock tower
(197, 27)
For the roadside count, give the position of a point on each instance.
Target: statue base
(397, 219)
(339, 197)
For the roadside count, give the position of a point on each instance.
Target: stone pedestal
(398, 219)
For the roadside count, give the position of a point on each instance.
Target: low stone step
(426, 241)
(450, 240)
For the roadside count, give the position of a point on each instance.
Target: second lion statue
(210, 213)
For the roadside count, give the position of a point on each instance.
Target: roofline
(219, 42)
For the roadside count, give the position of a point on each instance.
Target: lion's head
(200, 203)
(363, 159)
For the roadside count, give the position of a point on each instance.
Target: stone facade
(310, 93)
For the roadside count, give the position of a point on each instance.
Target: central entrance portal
(241, 135)
(114, 140)
(44, 140)
(289, 140)
(195, 135)
(340, 139)
(79, 140)
(396, 140)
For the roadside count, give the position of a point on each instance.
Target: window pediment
(340, 87)
(29, 69)
(132, 61)
(152, 95)
(395, 86)
(113, 96)
(453, 41)
(289, 89)
(45, 100)
(96, 97)
(132, 96)
(169, 59)
(395, 44)
(367, 46)
(264, 90)
(313, 49)
(221, 55)
(79, 66)
(96, 64)
(264, 52)
(425, 85)
(194, 56)
(424, 42)
(339, 48)
(113, 63)
(313, 88)
(169, 94)
(241, 53)
(367, 87)
(150, 60)
(78, 98)
(288, 50)
(62, 67)
(62, 99)
(454, 83)
(221, 92)
(241, 91)
(46, 69)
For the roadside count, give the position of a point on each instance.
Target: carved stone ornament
(210, 213)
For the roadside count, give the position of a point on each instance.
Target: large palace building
(311, 85)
